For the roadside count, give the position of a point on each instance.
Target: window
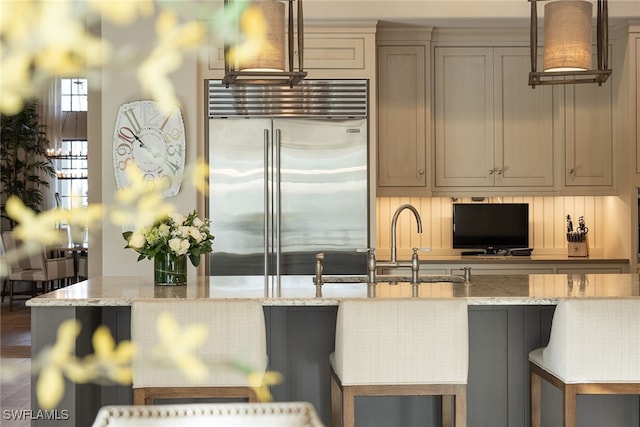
(70, 153)
(73, 94)
(71, 170)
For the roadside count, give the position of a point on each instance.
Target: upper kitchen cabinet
(493, 133)
(331, 50)
(403, 111)
(588, 110)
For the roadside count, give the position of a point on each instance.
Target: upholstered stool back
(594, 348)
(400, 347)
(595, 340)
(235, 334)
(402, 342)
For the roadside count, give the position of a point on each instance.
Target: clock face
(152, 138)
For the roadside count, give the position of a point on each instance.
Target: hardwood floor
(15, 353)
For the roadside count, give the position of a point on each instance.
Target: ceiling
(449, 12)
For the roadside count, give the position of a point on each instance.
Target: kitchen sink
(386, 278)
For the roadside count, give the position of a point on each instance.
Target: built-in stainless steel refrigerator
(288, 178)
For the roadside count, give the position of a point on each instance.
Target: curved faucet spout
(394, 222)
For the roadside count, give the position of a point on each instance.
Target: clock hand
(140, 141)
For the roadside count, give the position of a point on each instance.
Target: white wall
(119, 86)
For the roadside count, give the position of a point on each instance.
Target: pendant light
(567, 43)
(259, 58)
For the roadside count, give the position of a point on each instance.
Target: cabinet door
(523, 123)
(588, 135)
(464, 117)
(402, 117)
(636, 124)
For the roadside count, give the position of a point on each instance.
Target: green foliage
(24, 166)
(175, 234)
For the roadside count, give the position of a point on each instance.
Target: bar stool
(235, 332)
(400, 347)
(594, 348)
(286, 414)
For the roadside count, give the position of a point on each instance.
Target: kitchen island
(509, 315)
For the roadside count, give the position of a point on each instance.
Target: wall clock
(152, 137)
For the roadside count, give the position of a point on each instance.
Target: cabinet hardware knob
(498, 171)
(570, 170)
(421, 172)
(491, 171)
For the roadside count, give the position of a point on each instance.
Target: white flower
(182, 231)
(197, 222)
(164, 230)
(137, 239)
(196, 234)
(179, 246)
(177, 218)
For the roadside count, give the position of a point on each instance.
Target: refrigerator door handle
(266, 209)
(277, 206)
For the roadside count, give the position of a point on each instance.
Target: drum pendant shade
(271, 56)
(567, 35)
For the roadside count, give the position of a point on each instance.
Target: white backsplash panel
(547, 225)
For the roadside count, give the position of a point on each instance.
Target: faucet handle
(415, 266)
(371, 265)
(319, 269)
(467, 275)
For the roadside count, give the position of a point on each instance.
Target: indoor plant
(24, 167)
(169, 241)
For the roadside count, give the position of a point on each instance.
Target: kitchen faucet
(394, 223)
(372, 264)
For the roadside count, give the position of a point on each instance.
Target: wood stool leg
(535, 399)
(447, 410)
(348, 407)
(569, 406)
(461, 407)
(139, 396)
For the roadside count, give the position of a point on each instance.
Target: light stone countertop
(534, 289)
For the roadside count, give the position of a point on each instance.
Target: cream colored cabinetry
(330, 51)
(634, 41)
(588, 110)
(403, 112)
(491, 129)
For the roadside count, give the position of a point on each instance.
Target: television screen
(490, 226)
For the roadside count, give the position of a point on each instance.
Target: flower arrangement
(175, 235)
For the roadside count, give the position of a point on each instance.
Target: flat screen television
(492, 227)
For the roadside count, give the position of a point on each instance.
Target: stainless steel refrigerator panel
(237, 191)
(278, 198)
(323, 185)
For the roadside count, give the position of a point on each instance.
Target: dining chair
(34, 267)
(400, 347)
(59, 250)
(594, 348)
(286, 414)
(236, 336)
(83, 266)
(4, 270)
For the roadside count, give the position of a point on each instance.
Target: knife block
(578, 249)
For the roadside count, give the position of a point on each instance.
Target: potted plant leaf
(24, 166)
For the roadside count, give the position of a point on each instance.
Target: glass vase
(170, 269)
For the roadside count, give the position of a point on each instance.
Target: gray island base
(508, 317)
